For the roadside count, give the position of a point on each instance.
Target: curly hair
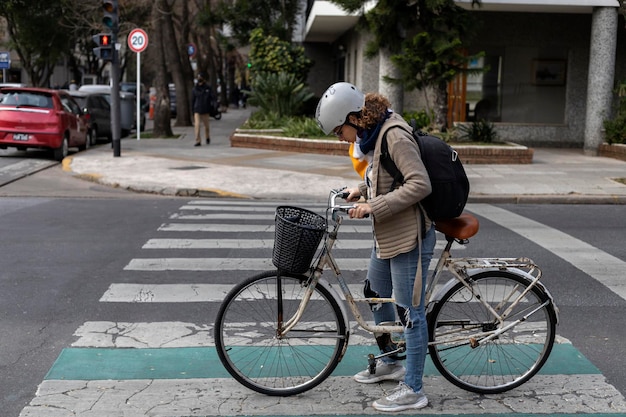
(374, 110)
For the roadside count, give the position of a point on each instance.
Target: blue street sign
(5, 60)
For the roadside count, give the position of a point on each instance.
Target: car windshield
(82, 101)
(25, 98)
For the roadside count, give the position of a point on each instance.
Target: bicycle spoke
(254, 347)
(467, 346)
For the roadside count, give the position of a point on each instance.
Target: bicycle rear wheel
(250, 345)
(506, 361)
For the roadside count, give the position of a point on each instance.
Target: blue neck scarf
(369, 136)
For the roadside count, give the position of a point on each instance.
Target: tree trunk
(162, 116)
(173, 58)
(187, 71)
(441, 107)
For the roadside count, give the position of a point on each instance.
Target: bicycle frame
(461, 269)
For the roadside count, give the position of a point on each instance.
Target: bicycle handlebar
(334, 206)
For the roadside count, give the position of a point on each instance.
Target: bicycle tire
(246, 334)
(505, 362)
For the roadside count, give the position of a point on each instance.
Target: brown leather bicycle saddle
(462, 227)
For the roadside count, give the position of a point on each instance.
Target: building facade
(553, 67)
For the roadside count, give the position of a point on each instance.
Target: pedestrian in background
(201, 98)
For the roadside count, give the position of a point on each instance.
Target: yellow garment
(358, 165)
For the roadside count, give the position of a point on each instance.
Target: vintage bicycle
(491, 322)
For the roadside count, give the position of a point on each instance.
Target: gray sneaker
(401, 398)
(384, 372)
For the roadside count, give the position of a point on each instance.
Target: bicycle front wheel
(253, 348)
(461, 320)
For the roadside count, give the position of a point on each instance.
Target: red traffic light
(105, 46)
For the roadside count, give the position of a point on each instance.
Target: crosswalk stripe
(177, 334)
(166, 334)
(222, 264)
(240, 244)
(356, 244)
(243, 228)
(337, 396)
(178, 293)
(222, 216)
(195, 207)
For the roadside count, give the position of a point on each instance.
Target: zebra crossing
(170, 368)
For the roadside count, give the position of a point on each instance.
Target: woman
(402, 251)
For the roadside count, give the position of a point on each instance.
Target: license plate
(20, 136)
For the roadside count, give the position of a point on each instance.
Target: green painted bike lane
(203, 362)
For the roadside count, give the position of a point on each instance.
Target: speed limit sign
(137, 40)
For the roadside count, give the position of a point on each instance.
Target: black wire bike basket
(298, 233)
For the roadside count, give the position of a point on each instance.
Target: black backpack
(450, 186)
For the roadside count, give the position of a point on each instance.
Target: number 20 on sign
(137, 40)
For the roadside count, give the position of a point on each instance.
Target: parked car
(128, 107)
(98, 111)
(42, 118)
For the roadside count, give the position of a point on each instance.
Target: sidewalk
(175, 167)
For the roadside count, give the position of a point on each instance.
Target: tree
(268, 53)
(426, 39)
(35, 35)
(274, 17)
(162, 117)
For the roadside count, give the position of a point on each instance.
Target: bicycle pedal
(371, 363)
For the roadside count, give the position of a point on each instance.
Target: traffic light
(110, 18)
(105, 46)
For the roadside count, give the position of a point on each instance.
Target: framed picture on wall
(548, 71)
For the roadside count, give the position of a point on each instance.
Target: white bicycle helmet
(337, 102)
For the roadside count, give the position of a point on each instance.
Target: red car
(42, 118)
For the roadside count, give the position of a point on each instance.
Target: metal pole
(138, 96)
(115, 99)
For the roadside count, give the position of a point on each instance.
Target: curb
(548, 199)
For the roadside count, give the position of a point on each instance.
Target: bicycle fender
(342, 306)
(523, 274)
(539, 284)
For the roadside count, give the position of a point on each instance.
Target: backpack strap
(387, 162)
(392, 169)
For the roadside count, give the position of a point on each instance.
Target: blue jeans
(397, 275)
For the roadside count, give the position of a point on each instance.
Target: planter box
(616, 150)
(278, 143)
(510, 153)
(470, 154)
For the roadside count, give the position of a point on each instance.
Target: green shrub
(264, 120)
(422, 118)
(293, 127)
(280, 93)
(302, 127)
(615, 129)
(478, 131)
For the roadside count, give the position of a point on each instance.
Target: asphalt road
(67, 242)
